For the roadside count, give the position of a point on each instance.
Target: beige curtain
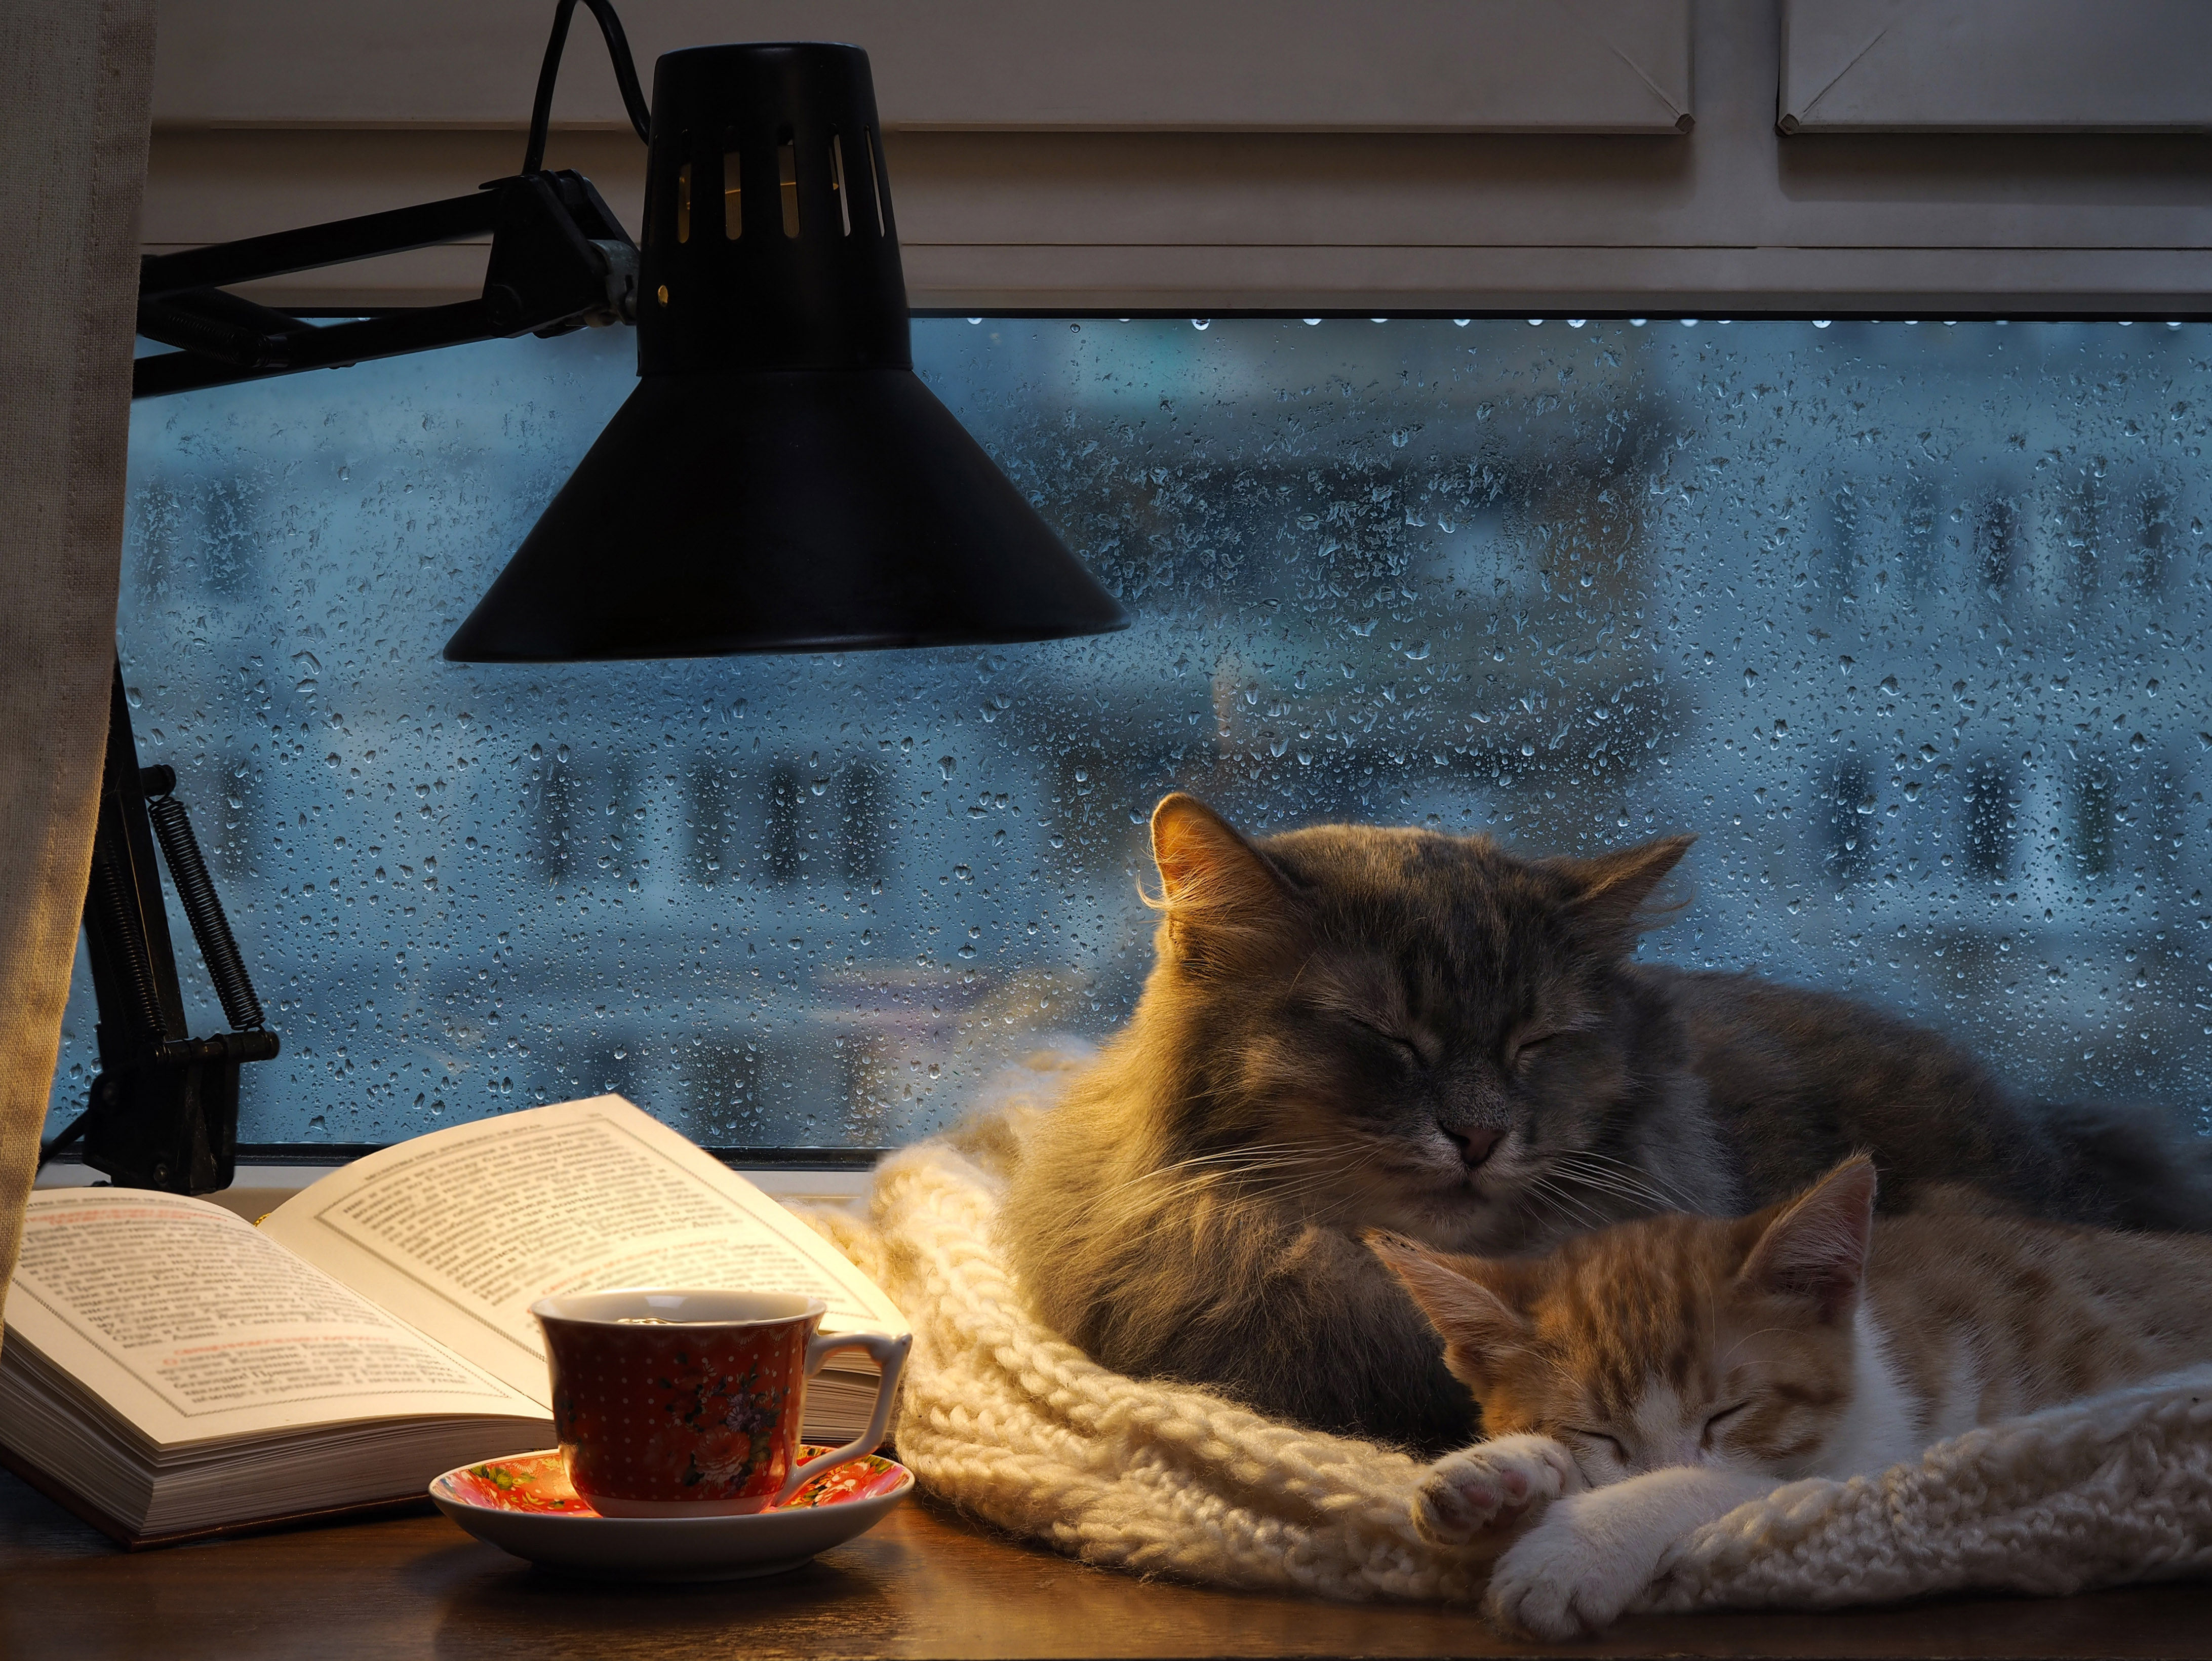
(76, 89)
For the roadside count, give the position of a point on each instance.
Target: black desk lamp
(779, 481)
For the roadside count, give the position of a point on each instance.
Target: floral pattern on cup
(538, 1483)
(673, 1401)
(675, 1413)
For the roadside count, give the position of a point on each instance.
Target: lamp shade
(779, 480)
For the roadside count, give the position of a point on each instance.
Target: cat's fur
(1711, 1360)
(1349, 1027)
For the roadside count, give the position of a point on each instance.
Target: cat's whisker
(1593, 1156)
(1224, 1175)
(1622, 1184)
(1639, 1200)
(1607, 1158)
(1675, 1199)
(1185, 1179)
(1590, 1215)
(1234, 1162)
(1608, 1181)
(1620, 1177)
(1248, 1151)
(1296, 1188)
(1277, 1162)
(1600, 1163)
(1551, 1209)
(1534, 1189)
(1344, 1173)
(1150, 1196)
(1307, 1186)
(1575, 1210)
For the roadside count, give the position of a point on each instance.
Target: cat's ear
(1478, 1326)
(1610, 890)
(1212, 881)
(1816, 1249)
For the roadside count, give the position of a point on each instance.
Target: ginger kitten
(1712, 1360)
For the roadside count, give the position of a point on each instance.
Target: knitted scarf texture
(1015, 1425)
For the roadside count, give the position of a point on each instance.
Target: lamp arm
(560, 260)
(340, 240)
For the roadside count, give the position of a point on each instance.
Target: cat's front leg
(1592, 1553)
(1492, 1485)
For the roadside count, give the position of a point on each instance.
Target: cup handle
(890, 1353)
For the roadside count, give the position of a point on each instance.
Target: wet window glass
(1907, 621)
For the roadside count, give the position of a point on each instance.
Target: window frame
(1732, 218)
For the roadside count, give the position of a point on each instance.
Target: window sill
(260, 1188)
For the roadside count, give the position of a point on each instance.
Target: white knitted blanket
(2098, 1492)
(1018, 1427)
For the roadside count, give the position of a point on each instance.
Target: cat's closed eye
(1398, 1041)
(1525, 1046)
(1719, 1417)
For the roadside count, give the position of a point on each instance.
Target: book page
(194, 1326)
(459, 1232)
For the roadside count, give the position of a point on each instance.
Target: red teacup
(687, 1403)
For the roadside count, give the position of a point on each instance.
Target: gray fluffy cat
(1352, 1028)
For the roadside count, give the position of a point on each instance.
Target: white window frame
(1205, 168)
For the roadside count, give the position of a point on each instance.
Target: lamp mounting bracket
(162, 1111)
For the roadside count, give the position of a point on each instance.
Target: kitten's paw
(1492, 1485)
(1564, 1579)
(1592, 1555)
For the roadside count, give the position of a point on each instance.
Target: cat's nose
(1476, 1145)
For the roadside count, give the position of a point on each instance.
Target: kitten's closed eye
(1596, 1441)
(1720, 1416)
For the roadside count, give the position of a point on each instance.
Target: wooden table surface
(922, 1584)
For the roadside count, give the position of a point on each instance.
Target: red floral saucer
(525, 1504)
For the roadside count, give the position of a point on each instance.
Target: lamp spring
(203, 911)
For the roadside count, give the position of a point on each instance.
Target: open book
(171, 1371)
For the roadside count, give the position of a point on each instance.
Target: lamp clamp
(163, 1110)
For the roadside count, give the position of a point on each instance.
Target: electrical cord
(541, 112)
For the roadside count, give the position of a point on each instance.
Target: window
(1907, 620)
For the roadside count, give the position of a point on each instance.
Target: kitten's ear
(1477, 1325)
(1608, 905)
(1212, 881)
(1816, 1249)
